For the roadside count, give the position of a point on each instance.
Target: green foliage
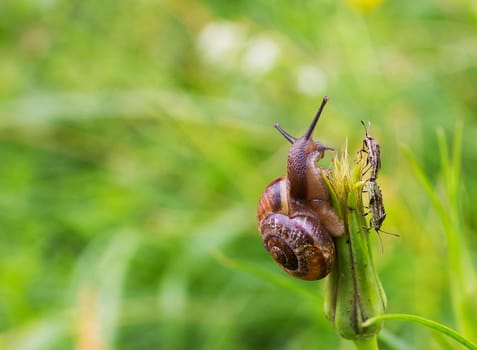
(136, 138)
(427, 323)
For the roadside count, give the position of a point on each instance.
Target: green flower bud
(353, 292)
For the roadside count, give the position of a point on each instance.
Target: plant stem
(367, 343)
(427, 323)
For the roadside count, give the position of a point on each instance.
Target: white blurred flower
(311, 80)
(261, 56)
(219, 42)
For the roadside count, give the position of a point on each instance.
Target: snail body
(295, 216)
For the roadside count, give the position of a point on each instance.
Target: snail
(295, 216)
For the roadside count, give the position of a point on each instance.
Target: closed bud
(353, 292)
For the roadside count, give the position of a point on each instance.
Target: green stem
(425, 322)
(367, 343)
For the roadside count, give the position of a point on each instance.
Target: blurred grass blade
(424, 180)
(257, 271)
(174, 287)
(451, 165)
(427, 323)
(98, 288)
(446, 166)
(44, 333)
(46, 108)
(392, 341)
(457, 149)
(462, 277)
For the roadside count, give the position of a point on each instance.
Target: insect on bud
(354, 292)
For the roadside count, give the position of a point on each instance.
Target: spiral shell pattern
(299, 244)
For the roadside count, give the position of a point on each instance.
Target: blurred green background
(136, 138)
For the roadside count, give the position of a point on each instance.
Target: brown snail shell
(293, 234)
